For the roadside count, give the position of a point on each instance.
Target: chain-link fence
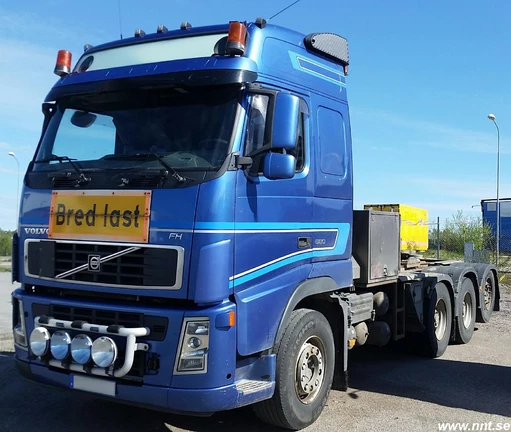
(469, 239)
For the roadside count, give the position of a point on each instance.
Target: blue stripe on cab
(268, 225)
(339, 249)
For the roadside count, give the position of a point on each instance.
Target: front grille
(142, 182)
(141, 266)
(64, 182)
(156, 325)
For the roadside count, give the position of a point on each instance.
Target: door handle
(304, 242)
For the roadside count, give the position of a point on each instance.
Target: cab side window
(299, 152)
(258, 134)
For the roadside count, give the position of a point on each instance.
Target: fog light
(104, 352)
(59, 344)
(81, 348)
(39, 341)
(194, 342)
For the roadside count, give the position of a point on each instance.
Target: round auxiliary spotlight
(104, 352)
(81, 346)
(39, 341)
(59, 344)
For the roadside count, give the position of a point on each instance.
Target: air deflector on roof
(330, 45)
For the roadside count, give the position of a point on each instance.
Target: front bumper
(228, 382)
(173, 400)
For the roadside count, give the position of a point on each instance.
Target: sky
(423, 78)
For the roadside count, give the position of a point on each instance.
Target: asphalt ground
(388, 392)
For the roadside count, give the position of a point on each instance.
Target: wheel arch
(456, 273)
(315, 294)
(306, 291)
(482, 273)
(432, 278)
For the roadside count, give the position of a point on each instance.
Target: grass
(444, 254)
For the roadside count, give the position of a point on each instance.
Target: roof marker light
(139, 33)
(260, 22)
(185, 25)
(87, 47)
(162, 29)
(236, 39)
(63, 64)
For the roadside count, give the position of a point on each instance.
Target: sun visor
(177, 73)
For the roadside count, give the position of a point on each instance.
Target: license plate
(93, 385)
(100, 215)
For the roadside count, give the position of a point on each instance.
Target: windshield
(144, 130)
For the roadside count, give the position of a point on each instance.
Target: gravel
(388, 391)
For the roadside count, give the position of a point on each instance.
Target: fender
(305, 289)
(430, 278)
(482, 273)
(477, 272)
(315, 286)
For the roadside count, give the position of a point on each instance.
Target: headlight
(104, 351)
(194, 346)
(39, 341)
(81, 348)
(19, 330)
(59, 344)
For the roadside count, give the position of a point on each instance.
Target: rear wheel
(465, 321)
(305, 367)
(433, 341)
(485, 311)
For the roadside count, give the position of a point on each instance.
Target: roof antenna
(120, 19)
(286, 8)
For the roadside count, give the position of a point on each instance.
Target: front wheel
(305, 368)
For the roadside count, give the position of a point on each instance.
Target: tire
(433, 341)
(307, 344)
(465, 321)
(485, 309)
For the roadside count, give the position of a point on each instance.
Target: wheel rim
(310, 369)
(466, 310)
(440, 319)
(488, 289)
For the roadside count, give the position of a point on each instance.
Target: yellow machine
(414, 225)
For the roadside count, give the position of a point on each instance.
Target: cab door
(273, 225)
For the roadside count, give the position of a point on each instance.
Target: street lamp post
(17, 187)
(492, 118)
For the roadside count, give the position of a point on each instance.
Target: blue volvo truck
(187, 240)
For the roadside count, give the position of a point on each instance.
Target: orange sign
(100, 215)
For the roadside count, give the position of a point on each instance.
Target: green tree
(5, 243)
(461, 229)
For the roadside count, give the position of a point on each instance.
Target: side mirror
(83, 119)
(285, 121)
(279, 166)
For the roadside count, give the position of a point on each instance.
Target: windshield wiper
(172, 171)
(82, 178)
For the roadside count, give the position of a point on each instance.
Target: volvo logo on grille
(94, 263)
